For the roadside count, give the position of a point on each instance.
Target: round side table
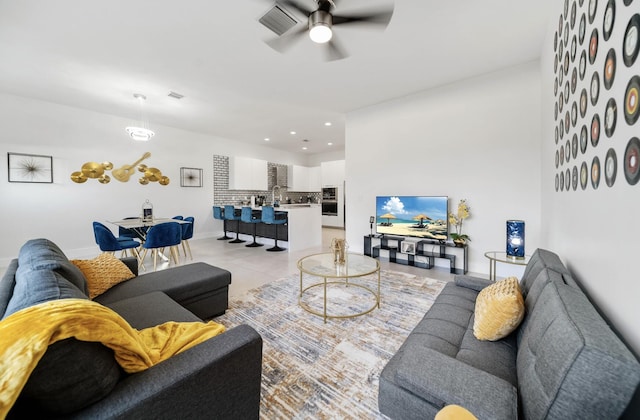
(502, 257)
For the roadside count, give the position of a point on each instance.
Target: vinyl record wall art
(596, 70)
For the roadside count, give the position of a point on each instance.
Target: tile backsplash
(277, 175)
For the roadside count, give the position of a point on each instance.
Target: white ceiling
(95, 54)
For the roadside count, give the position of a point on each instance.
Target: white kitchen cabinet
(332, 173)
(303, 178)
(247, 173)
(315, 179)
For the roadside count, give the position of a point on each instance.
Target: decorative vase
(459, 242)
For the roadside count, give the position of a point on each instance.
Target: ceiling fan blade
(334, 50)
(287, 40)
(294, 5)
(379, 18)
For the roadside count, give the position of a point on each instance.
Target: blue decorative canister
(515, 238)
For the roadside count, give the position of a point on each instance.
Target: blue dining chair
(187, 233)
(230, 214)
(218, 214)
(161, 236)
(178, 217)
(247, 216)
(269, 218)
(108, 242)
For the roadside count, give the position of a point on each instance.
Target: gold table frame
(502, 257)
(322, 265)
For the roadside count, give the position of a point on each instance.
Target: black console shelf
(427, 248)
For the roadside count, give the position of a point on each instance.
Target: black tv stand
(425, 251)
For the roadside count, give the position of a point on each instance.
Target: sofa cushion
(103, 272)
(448, 328)
(499, 310)
(38, 286)
(199, 287)
(540, 261)
(7, 283)
(72, 374)
(570, 364)
(39, 254)
(151, 309)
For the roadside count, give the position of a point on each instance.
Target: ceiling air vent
(278, 20)
(175, 95)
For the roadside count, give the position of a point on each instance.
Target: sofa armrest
(471, 282)
(441, 378)
(131, 263)
(218, 378)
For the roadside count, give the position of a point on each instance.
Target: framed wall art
(30, 168)
(190, 177)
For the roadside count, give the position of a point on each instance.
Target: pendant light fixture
(141, 132)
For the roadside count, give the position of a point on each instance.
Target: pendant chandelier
(141, 132)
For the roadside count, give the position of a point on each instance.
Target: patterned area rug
(329, 371)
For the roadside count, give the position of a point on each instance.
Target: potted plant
(456, 220)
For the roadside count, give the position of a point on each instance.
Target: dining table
(139, 226)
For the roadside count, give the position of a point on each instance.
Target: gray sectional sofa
(219, 378)
(563, 361)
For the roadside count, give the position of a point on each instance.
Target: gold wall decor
(97, 171)
(93, 170)
(152, 175)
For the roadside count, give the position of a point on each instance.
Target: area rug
(317, 370)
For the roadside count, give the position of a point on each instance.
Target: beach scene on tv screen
(420, 216)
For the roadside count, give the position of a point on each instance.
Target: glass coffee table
(323, 267)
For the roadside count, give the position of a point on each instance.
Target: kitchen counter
(304, 226)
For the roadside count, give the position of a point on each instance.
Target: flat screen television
(419, 216)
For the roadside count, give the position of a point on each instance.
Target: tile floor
(252, 267)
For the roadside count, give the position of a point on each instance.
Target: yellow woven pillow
(103, 272)
(499, 310)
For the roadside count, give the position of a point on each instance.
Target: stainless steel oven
(329, 194)
(329, 207)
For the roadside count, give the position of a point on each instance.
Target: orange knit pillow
(103, 272)
(499, 310)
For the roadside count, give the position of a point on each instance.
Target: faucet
(273, 192)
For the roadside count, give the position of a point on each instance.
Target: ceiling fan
(321, 21)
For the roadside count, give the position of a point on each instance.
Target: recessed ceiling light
(267, 139)
(330, 144)
(304, 147)
(328, 123)
(292, 132)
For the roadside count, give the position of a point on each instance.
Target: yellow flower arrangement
(457, 219)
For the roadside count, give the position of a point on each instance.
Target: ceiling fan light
(320, 27)
(140, 133)
(320, 33)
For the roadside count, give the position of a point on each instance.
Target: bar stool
(230, 214)
(269, 218)
(218, 213)
(247, 217)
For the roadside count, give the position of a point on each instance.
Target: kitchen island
(303, 229)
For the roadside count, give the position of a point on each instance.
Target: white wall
(63, 211)
(595, 231)
(478, 139)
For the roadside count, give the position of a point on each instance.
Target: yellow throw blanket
(25, 335)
